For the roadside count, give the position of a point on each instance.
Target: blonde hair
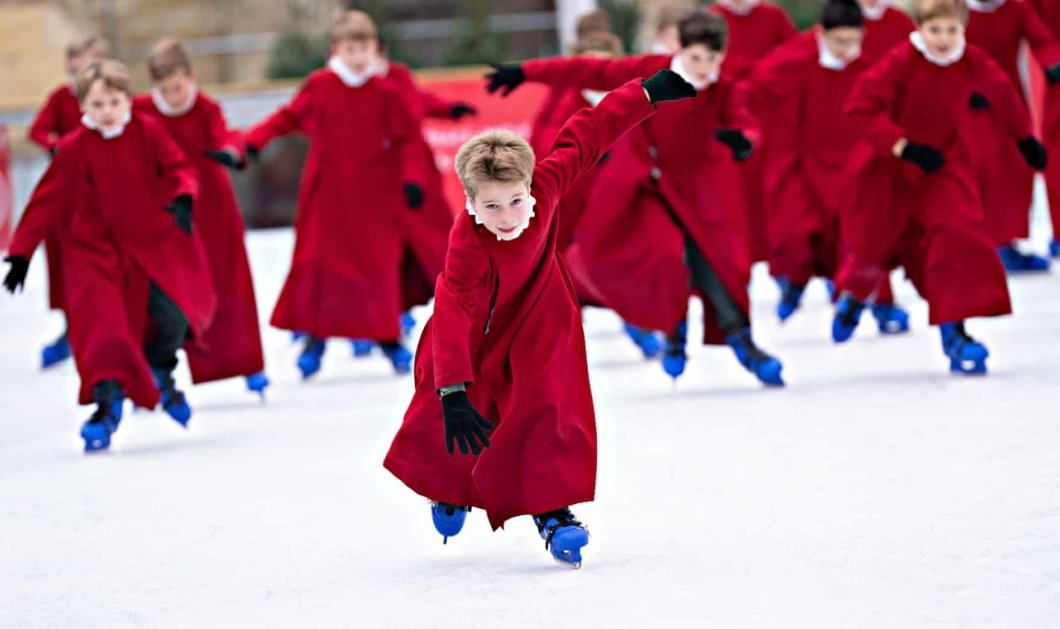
(91, 44)
(353, 25)
(925, 10)
(598, 42)
(598, 21)
(494, 156)
(113, 73)
(167, 57)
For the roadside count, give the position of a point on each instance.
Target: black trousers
(730, 318)
(171, 330)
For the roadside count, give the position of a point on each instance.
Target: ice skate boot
(309, 360)
(1054, 249)
(257, 383)
(847, 315)
(400, 357)
(967, 355)
(173, 401)
(790, 298)
(408, 323)
(674, 358)
(766, 368)
(564, 536)
(1016, 262)
(55, 353)
(448, 519)
(646, 340)
(891, 318)
(361, 347)
(104, 421)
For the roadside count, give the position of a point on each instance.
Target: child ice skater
(506, 342)
(231, 347)
(1049, 11)
(692, 173)
(365, 166)
(915, 199)
(60, 115)
(139, 285)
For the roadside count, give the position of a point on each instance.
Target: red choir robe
(119, 240)
(345, 277)
(881, 34)
(753, 35)
(507, 323)
(682, 172)
(932, 224)
(60, 115)
(1006, 181)
(232, 345)
(1049, 11)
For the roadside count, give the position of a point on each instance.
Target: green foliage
(296, 55)
(625, 20)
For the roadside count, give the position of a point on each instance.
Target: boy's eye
(517, 202)
(491, 206)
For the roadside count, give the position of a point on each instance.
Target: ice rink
(876, 490)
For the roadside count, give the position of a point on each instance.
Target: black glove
(978, 102)
(1052, 73)
(737, 141)
(413, 196)
(252, 153)
(459, 110)
(16, 275)
(226, 158)
(1034, 153)
(666, 85)
(181, 210)
(506, 77)
(463, 424)
(923, 156)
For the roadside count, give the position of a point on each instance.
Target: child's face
(176, 88)
(358, 55)
(669, 39)
(843, 42)
(942, 35)
(74, 65)
(701, 62)
(105, 106)
(503, 206)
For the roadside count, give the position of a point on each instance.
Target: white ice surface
(876, 490)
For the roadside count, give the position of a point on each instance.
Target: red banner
(7, 203)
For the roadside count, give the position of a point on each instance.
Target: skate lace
(675, 343)
(174, 397)
(960, 339)
(849, 315)
(754, 355)
(99, 416)
(563, 517)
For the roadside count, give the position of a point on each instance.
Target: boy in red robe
(804, 84)
(231, 347)
(60, 115)
(1049, 11)
(690, 172)
(1000, 28)
(506, 341)
(914, 199)
(139, 285)
(365, 166)
(885, 27)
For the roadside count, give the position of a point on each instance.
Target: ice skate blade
(968, 367)
(573, 565)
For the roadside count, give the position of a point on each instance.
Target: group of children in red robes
(868, 143)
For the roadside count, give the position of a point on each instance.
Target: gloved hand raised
(667, 85)
(463, 424)
(506, 77)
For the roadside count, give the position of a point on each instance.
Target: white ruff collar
(593, 97)
(829, 61)
(531, 201)
(985, 6)
(952, 58)
(172, 112)
(677, 66)
(874, 14)
(348, 77)
(107, 135)
(744, 9)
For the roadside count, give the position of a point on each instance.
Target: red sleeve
(460, 292)
(405, 131)
(434, 106)
(588, 134)
(218, 135)
(774, 81)
(1043, 45)
(785, 27)
(736, 114)
(45, 127)
(287, 119)
(871, 101)
(48, 198)
(590, 73)
(1004, 100)
(172, 162)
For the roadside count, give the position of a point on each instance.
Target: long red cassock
(1049, 11)
(60, 115)
(427, 229)
(932, 224)
(232, 345)
(506, 320)
(881, 35)
(119, 240)
(682, 171)
(752, 36)
(345, 277)
(1006, 181)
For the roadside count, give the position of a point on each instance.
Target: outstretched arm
(287, 119)
(46, 202)
(576, 72)
(461, 292)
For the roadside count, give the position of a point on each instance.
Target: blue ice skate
(298, 336)
(967, 356)
(55, 353)
(674, 358)
(257, 383)
(448, 519)
(173, 401)
(829, 285)
(891, 318)
(847, 315)
(1016, 262)
(646, 340)
(309, 359)
(400, 357)
(104, 421)
(564, 536)
(766, 368)
(790, 298)
(1054, 248)
(408, 323)
(361, 347)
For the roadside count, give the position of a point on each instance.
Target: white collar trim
(829, 61)
(677, 66)
(107, 135)
(985, 6)
(745, 9)
(172, 112)
(918, 42)
(348, 77)
(876, 13)
(531, 201)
